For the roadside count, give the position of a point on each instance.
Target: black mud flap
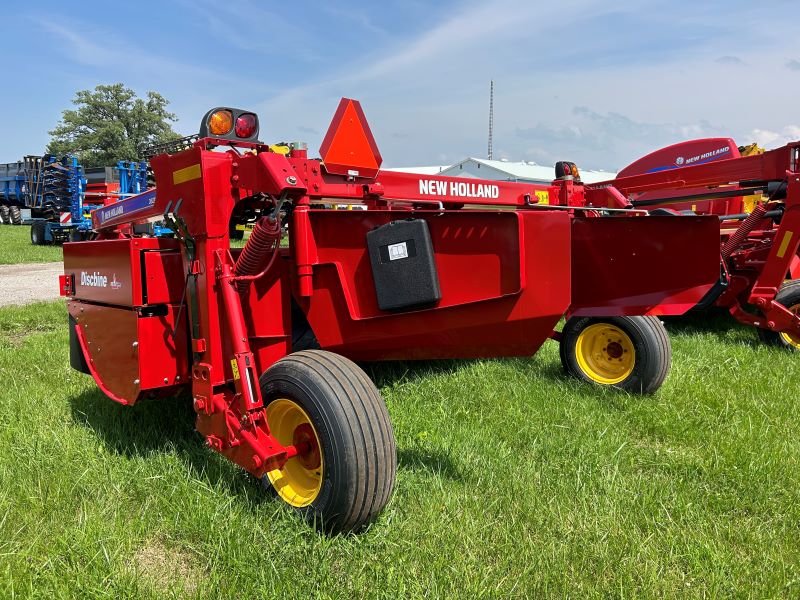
(76, 358)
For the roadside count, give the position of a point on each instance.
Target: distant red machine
(433, 267)
(687, 154)
(754, 195)
(104, 193)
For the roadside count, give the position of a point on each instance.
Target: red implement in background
(757, 202)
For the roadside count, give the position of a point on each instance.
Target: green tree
(111, 123)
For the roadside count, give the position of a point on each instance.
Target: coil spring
(262, 246)
(738, 236)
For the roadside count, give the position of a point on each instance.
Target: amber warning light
(220, 122)
(230, 123)
(565, 169)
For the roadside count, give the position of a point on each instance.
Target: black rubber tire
(75, 235)
(5, 215)
(789, 296)
(650, 341)
(16, 215)
(37, 233)
(354, 430)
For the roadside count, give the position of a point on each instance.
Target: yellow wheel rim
(300, 479)
(605, 353)
(790, 339)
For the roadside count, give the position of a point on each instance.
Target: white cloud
(604, 141)
(774, 139)
(433, 86)
(644, 74)
(119, 55)
(729, 60)
(242, 24)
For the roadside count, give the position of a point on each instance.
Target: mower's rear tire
(628, 353)
(789, 296)
(16, 215)
(5, 215)
(346, 476)
(37, 233)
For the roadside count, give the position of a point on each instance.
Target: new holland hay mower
(432, 267)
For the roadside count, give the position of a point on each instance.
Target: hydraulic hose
(258, 253)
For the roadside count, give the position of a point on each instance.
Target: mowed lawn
(16, 247)
(513, 481)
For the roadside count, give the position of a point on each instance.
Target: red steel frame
(161, 288)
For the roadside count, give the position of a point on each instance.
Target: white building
(504, 170)
(433, 170)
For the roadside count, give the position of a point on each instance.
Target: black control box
(403, 265)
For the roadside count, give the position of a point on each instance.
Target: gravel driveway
(31, 282)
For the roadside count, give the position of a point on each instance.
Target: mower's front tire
(345, 477)
(628, 353)
(789, 296)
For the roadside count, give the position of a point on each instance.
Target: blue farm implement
(38, 186)
(56, 196)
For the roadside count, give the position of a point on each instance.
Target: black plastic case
(403, 265)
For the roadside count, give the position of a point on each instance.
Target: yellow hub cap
(300, 479)
(789, 338)
(605, 353)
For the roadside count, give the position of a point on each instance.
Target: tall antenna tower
(491, 118)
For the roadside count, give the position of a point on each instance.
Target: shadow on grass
(167, 426)
(164, 426)
(425, 460)
(409, 371)
(713, 321)
(393, 372)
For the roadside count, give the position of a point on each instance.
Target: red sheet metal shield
(504, 278)
(642, 266)
(348, 147)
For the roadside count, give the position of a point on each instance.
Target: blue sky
(599, 83)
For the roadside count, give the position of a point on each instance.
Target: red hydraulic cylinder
(242, 364)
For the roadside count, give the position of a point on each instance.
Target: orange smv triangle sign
(348, 147)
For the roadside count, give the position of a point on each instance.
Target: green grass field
(513, 481)
(15, 241)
